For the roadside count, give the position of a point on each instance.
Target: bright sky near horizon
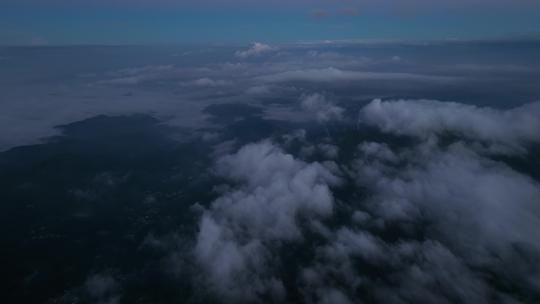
(57, 22)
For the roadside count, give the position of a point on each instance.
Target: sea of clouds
(430, 208)
(438, 222)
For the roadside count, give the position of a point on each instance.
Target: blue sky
(238, 21)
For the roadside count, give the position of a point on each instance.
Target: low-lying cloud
(323, 109)
(329, 75)
(256, 49)
(425, 118)
(433, 222)
(242, 228)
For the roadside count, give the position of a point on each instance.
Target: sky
(61, 22)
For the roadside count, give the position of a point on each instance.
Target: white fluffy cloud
(432, 222)
(242, 227)
(473, 201)
(425, 118)
(486, 203)
(473, 212)
(459, 215)
(323, 109)
(256, 49)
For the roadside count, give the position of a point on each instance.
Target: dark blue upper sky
(33, 22)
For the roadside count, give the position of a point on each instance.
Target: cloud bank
(256, 49)
(331, 74)
(431, 222)
(323, 110)
(425, 118)
(244, 226)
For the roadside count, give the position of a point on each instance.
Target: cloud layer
(323, 110)
(241, 230)
(256, 49)
(435, 222)
(425, 118)
(394, 200)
